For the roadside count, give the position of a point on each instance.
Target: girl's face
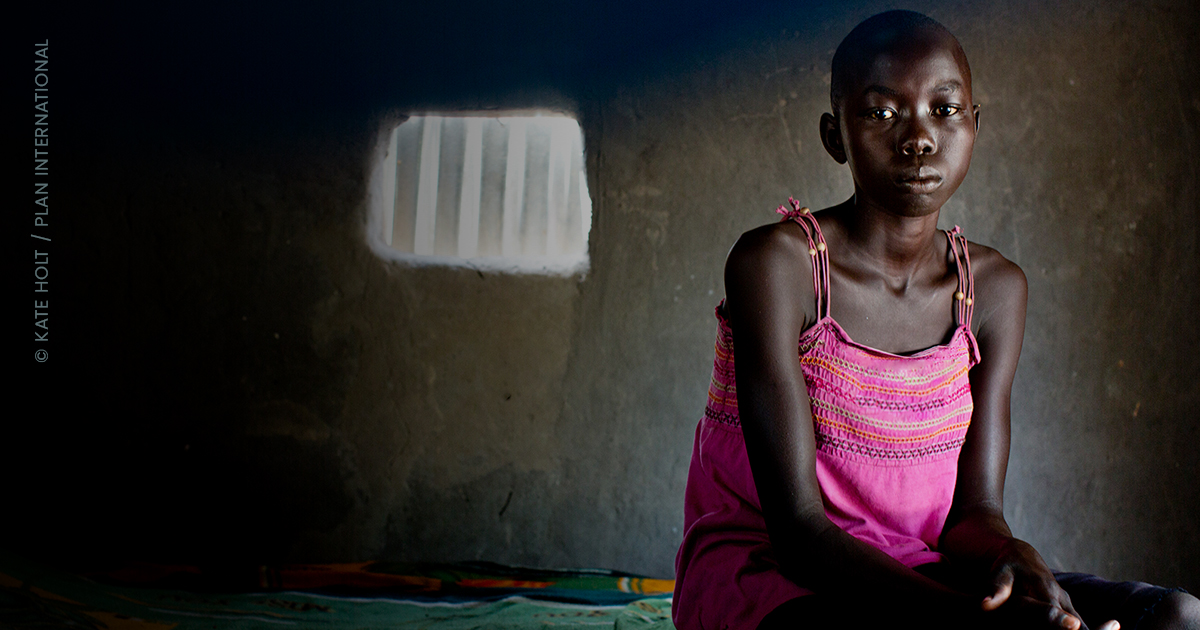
(908, 125)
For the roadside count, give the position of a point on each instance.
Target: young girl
(858, 480)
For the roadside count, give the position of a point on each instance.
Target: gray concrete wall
(237, 377)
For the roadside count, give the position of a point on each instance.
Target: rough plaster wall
(1104, 405)
(263, 387)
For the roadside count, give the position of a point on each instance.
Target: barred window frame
(489, 190)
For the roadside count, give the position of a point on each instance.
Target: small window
(498, 191)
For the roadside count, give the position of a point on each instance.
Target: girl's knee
(1176, 611)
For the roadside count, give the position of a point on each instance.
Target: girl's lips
(922, 180)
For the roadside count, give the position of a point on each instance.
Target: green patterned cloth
(35, 596)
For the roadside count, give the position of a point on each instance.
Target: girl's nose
(917, 140)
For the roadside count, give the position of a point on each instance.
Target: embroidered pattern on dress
(835, 445)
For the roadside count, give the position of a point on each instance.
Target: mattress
(358, 595)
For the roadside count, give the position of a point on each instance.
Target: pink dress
(888, 430)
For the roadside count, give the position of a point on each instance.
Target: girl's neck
(896, 245)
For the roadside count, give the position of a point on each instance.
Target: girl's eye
(946, 110)
(881, 114)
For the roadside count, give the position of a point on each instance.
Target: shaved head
(881, 34)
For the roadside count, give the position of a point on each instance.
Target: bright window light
(497, 191)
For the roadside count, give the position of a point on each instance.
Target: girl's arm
(770, 302)
(976, 534)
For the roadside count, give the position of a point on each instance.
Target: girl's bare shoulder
(768, 271)
(1000, 285)
(769, 247)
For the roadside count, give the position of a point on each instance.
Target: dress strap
(964, 297)
(816, 249)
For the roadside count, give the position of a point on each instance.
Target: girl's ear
(975, 111)
(831, 137)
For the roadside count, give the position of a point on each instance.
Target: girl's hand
(1025, 587)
